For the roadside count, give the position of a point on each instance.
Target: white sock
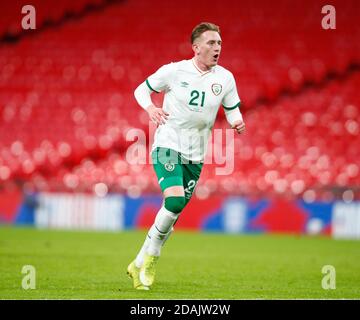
(160, 231)
(140, 257)
(168, 235)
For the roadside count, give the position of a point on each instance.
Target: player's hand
(157, 115)
(239, 126)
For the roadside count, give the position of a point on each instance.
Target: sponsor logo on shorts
(169, 166)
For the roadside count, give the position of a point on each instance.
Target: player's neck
(201, 66)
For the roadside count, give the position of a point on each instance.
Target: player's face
(208, 48)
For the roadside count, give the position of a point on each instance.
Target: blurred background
(66, 105)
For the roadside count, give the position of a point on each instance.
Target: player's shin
(168, 235)
(140, 257)
(164, 221)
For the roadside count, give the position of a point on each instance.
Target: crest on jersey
(216, 88)
(169, 166)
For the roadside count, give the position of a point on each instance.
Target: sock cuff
(175, 204)
(168, 212)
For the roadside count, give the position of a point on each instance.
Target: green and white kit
(174, 170)
(192, 99)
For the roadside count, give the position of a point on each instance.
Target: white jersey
(192, 99)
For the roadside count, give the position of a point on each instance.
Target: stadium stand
(66, 98)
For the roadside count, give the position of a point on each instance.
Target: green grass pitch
(92, 265)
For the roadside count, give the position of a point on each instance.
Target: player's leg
(173, 195)
(155, 240)
(174, 202)
(191, 174)
(169, 173)
(160, 231)
(169, 192)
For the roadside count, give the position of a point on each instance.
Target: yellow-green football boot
(148, 270)
(133, 272)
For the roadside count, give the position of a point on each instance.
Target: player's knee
(175, 204)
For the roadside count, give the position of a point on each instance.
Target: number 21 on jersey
(195, 98)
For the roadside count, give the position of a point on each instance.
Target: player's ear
(196, 48)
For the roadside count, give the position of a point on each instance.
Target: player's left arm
(231, 104)
(235, 119)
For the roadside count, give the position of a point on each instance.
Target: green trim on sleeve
(231, 108)
(148, 84)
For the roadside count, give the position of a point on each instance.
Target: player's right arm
(143, 98)
(157, 82)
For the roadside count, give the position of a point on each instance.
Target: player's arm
(157, 82)
(143, 97)
(231, 103)
(235, 119)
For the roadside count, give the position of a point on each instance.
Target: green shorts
(174, 170)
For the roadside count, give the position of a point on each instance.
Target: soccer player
(194, 90)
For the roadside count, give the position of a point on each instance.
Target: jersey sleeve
(231, 98)
(161, 79)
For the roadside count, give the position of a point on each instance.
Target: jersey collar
(202, 73)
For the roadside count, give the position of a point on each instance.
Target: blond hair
(201, 28)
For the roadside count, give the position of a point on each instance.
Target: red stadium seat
(69, 99)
